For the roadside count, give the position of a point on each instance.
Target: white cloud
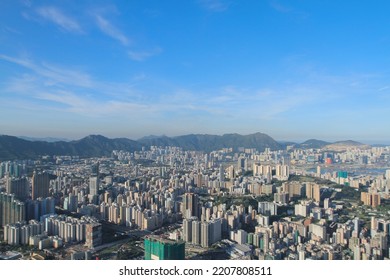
(57, 17)
(215, 5)
(279, 7)
(109, 29)
(142, 55)
(72, 91)
(53, 74)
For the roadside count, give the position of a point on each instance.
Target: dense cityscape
(165, 202)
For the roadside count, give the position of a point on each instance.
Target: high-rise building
(303, 208)
(242, 164)
(267, 208)
(17, 186)
(72, 203)
(187, 230)
(19, 233)
(318, 171)
(215, 230)
(231, 172)
(199, 179)
(313, 191)
(196, 235)
(370, 199)
(35, 209)
(262, 170)
(2, 169)
(241, 236)
(210, 232)
(318, 230)
(191, 205)
(221, 174)
(326, 203)
(282, 172)
(40, 185)
(93, 236)
(157, 248)
(294, 189)
(93, 185)
(95, 170)
(265, 242)
(375, 200)
(205, 234)
(281, 198)
(11, 210)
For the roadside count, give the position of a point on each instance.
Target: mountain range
(12, 147)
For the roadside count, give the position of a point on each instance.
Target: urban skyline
(128, 69)
(292, 203)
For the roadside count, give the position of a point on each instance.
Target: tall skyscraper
(231, 172)
(40, 185)
(221, 174)
(17, 186)
(205, 234)
(242, 163)
(93, 236)
(187, 230)
(95, 170)
(326, 203)
(93, 185)
(191, 205)
(282, 172)
(210, 232)
(313, 191)
(196, 232)
(215, 230)
(370, 199)
(11, 210)
(318, 171)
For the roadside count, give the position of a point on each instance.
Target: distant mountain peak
(344, 145)
(348, 142)
(44, 139)
(313, 144)
(96, 136)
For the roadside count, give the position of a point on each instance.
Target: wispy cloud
(133, 49)
(72, 90)
(58, 17)
(90, 98)
(384, 88)
(280, 7)
(262, 103)
(142, 55)
(46, 75)
(215, 5)
(10, 30)
(287, 9)
(109, 29)
(53, 74)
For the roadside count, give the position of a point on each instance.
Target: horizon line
(296, 141)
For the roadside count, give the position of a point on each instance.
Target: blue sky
(292, 69)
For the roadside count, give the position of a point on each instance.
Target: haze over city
(294, 70)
